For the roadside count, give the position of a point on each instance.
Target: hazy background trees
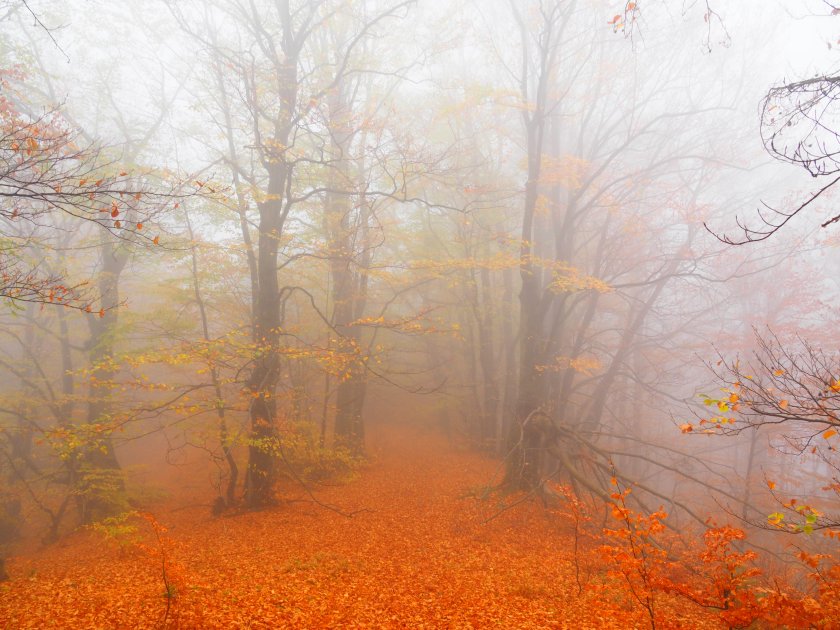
(307, 217)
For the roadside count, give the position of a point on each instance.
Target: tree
(789, 385)
(59, 186)
(793, 391)
(539, 57)
(43, 172)
(288, 142)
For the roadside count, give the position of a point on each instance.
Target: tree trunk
(99, 472)
(346, 230)
(273, 211)
(262, 383)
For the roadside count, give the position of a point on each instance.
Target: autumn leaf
(775, 518)
(829, 434)
(783, 404)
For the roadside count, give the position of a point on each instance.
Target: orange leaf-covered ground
(420, 555)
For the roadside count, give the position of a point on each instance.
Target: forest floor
(418, 553)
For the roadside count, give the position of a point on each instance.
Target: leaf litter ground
(419, 553)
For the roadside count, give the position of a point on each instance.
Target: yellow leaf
(779, 372)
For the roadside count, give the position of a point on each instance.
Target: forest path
(418, 555)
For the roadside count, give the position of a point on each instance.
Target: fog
(333, 284)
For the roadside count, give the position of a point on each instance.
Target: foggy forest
(419, 314)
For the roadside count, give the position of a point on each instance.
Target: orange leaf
(829, 433)
(156, 240)
(771, 484)
(783, 404)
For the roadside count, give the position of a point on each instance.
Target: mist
(402, 314)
